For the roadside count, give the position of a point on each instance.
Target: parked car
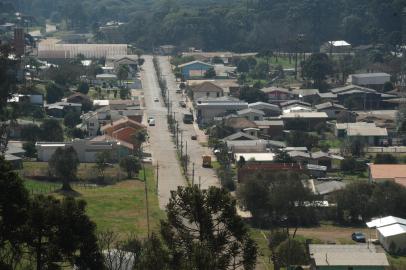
(156, 99)
(358, 237)
(193, 137)
(182, 104)
(151, 121)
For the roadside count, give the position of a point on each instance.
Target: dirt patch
(327, 234)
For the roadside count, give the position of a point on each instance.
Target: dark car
(358, 237)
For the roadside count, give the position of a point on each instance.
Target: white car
(156, 99)
(151, 121)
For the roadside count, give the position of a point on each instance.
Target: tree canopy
(203, 231)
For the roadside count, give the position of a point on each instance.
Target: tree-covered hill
(233, 24)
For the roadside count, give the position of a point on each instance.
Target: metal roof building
(391, 232)
(346, 257)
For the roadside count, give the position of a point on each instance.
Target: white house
(391, 233)
(85, 149)
(206, 90)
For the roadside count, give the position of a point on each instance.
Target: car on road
(193, 137)
(182, 104)
(151, 121)
(156, 99)
(358, 237)
(188, 118)
(178, 91)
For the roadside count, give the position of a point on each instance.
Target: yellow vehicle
(206, 161)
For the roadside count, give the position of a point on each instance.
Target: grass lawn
(119, 207)
(260, 237)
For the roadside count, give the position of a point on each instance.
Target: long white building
(52, 49)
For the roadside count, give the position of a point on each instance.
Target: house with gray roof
(267, 108)
(369, 132)
(251, 114)
(360, 256)
(372, 80)
(208, 109)
(332, 109)
(240, 136)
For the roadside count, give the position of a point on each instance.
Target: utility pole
(146, 190)
(200, 182)
(193, 174)
(186, 157)
(177, 135)
(157, 176)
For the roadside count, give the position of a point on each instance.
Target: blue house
(194, 69)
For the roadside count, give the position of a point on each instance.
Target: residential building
(194, 69)
(239, 123)
(360, 98)
(254, 157)
(371, 134)
(355, 257)
(78, 98)
(224, 72)
(270, 128)
(86, 150)
(208, 109)
(240, 136)
(388, 172)
(278, 94)
(336, 46)
(230, 86)
(331, 161)
(123, 130)
(312, 119)
(34, 99)
(205, 90)
(307, 95)
(59, 109)
(372, 80)
(332, 109)
(267, 108)
(391, 233)
(325, 188)
(90, 123)
(251, 114)
(247, 146)
(295, 106)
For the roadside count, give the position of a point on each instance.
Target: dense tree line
(43, 232)
(234, 25)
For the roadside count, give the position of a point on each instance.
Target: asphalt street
(160, 143)
(195, 150)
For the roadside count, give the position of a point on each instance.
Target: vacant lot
(120, 207)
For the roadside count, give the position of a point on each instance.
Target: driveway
(195, 150)
(160, 143)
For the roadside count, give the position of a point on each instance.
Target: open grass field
(120, 207)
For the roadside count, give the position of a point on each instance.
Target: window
(256, 118)
(91, 124)
(207, 94)
(218, 94)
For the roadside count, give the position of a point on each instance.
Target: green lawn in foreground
(119, 207)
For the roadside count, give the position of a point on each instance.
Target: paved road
(160, 141)
(195, 150)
